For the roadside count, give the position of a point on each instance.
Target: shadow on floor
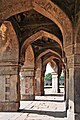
(60, 94)
(57, 114)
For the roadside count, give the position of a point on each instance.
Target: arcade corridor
(34, 33)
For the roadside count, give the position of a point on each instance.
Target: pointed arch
(49, 59)
(47, 51)
(44, 7)
(53, 65)
(38, 35)
(52, 62)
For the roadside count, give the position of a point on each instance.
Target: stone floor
(48, 107)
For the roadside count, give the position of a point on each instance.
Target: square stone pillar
(74, 87)
(42, 83)
(9, 87)
(71, 93)
(38, 82)
(27, 84)
(77, 93)
(67, 88)
(77, 86)
(54, 82)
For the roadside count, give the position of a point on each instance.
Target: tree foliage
(48, 76)
(61, 77)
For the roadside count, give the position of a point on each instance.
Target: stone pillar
(27, 84)
(58, 85)
(54, 82)
(38, 82)
(67, 88)
(77, 87)
(64, 72)
(9, 87)
(74, 80)
(74, 87)
(77, 74)
(70, 66)
(59, 73)
(42, 83)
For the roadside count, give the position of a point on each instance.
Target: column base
(27, 97)
(54, 91)
(9, 106)
(70, 115)
(42, 93)
(38, 94)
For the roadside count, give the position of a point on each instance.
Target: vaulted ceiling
(28, 23)
(70, 7)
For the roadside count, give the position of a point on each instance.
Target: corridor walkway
(43, 108)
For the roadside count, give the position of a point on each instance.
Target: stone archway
(49, 59)
(45, 7)
(47, 51)
(38, 35)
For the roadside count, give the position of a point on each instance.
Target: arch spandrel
(45, 7)
(77, 33)
(9, 46)
(77, 39)
(53, 65)
(29, 57)
(10, 8)
(39, 64)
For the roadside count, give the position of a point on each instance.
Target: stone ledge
(11, 70)
(9, 106)
(27, 97)
(38, 93)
